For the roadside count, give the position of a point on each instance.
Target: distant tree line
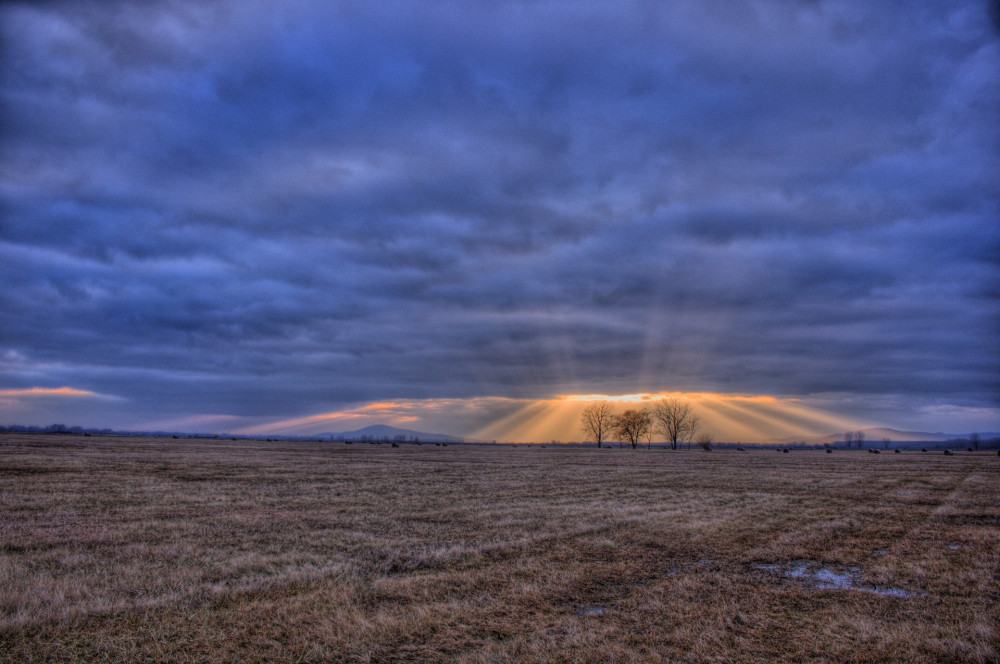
(674, 419)
(855, 437)
(974, 442)
(54, 428)
(369, 438)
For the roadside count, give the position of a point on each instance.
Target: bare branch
(675, 420)
(598, 420)
(633, 425)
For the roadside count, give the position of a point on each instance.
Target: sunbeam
(728, 417)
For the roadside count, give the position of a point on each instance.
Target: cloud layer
(250, 210)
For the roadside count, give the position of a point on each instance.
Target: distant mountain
(386, 432)
(874, 436)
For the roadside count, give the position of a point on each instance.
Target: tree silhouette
(633, 425)
(598, 420)
(705, 440)
(675, 420)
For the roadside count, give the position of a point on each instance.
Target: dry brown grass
(124, 550)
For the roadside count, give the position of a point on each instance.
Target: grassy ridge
(185, 550)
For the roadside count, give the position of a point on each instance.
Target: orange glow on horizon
(383, 405)
(656, 396)
(47, 392)
(728, 417)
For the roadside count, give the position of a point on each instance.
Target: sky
(472, 217)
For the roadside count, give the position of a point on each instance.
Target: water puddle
(831, 578)
(591, 611)
(891, 592)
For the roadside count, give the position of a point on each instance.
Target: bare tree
(675, 420)
(849, 438)
(632, 425)
(885, 443)
(705, 439)
(598, 420)
(974, 440)
(859, 439)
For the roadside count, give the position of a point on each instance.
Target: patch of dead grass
(121, 550)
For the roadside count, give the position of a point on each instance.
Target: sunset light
(473, 218)
(731, 417)
(416, 331)
(47, 392)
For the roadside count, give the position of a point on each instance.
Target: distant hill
(386, 432)
(874, 436)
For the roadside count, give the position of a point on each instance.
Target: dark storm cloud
(247, 209)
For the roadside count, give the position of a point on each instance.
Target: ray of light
(729, 417)
(795, 418)
(299, 426)
(537, 421)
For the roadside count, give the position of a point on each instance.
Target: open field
(124, 550)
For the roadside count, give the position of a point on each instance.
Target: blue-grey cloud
(238, 208)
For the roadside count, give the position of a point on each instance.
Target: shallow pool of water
(831, 578)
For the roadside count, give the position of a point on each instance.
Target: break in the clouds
(250, 212)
